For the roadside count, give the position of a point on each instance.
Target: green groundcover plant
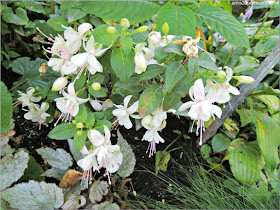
(133, 63)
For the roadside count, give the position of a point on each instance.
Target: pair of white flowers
(103, 154)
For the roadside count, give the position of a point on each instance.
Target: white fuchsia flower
(88, 58)
(37, 113)
(201, 108)
(28, 98)
(69, 104)
(123, 112)
(140, 62)
(155, 39)
(225, 88)
(101, 105)
(74, 38)
(152, 135)
(104, 154)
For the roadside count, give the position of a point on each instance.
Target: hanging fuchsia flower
(69, 104)
(201, 108)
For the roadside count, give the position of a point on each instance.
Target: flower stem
(229, 55)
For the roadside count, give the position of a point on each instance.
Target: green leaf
(98, 190)
(134, 11)
(79, 141)
(79, 83)
(223, 53)
(264, 46)
(180, 19)
(140, 37)
(126, 43)
(18, 18)
(205, 150)
(271, 101)
(220, 142)
(101, 36)
(206, 61)
(246, 65)
(76, 155)
(150, 100)
(223, 22)
(82, 114)
(132, 86)
(173, 48)
(6, 108)
(45, 27)
(101, 93)
(33, 171)
(90, 120)
(34, 6)
(245, 161)
(174, 72)
(171, 100)
(245, 117)
(99, 125)
(63, 131)
(162, 159)
(58, 158)
(6, 149)
(160, 55)
(184, 85)
(123, 65)
(267, 137)
(267, 91)
(129, 160)
(12, 168)
(152, 71)
(55, 173)
(34, 195)
(74, 14)
(193, 65)
(56, 23)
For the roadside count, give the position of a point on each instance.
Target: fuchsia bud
(140, 62)
(59, 83)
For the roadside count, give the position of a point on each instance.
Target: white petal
(83, 28)
(233, 90)
(126, 100)
(185, 106)
(84, 150)
(80, 59)
(125, 121)
(133, 108)
(99, 53)
(198, 90)
(107, 133)
(96, 137)
(96, 105)
(71, 89)
(216, 110)
(194, 111)
(95, 66)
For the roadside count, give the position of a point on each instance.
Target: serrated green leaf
(180, 19)
(134, 11)
(82, 114)
(12, 168)
(18, 18)
(174, 72)
(101, 35)
(152, 71)
(34, 195)
(129, 161)
(6, 108)
(63, 131)
(223, 22)
(123, 65)
(98, 190)
(79, 141)
(126, 43)
(220, 142)
(171, 100)
(245, 161)
(150, 100)
(58, 158)
(267, 137)
(90, 120)
(207, 62)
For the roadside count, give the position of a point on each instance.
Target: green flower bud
(96, 86)
(79, 133)
(165, 28)
(74, 122)
(111, 30)
(142, 29)
(79, 125)
(221, 74)
(125, 23)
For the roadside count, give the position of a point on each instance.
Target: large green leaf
(247, 65)
(220, 142)
(267, 137)
(150, 100)
(18, 18)
(152, 71)
(264, 46)
(6, 108)
(34, 195)
(134, 11)
(174, 72)
(171, 99)
(180, 19)
(98, 190)
(245, 161)
(79, 141)
(123, 65)
(223, 22)
(63, 131)
(33, 171)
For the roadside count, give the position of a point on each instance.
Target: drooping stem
(52, 6)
